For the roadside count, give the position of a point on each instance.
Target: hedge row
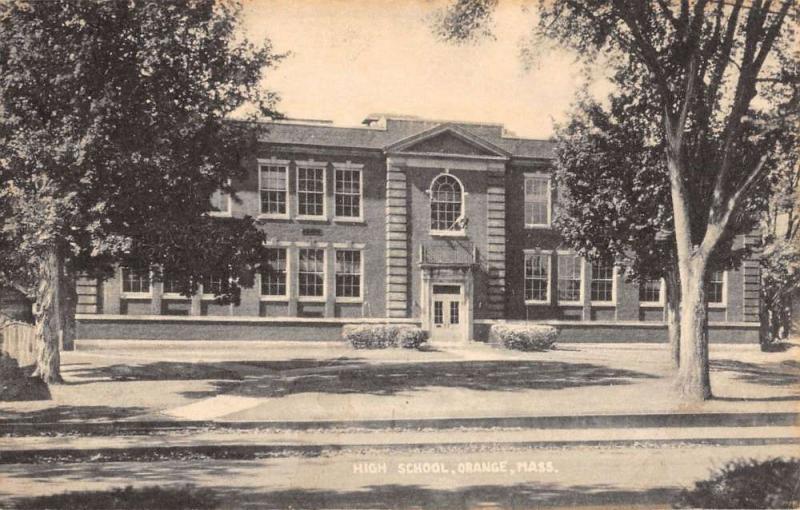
(382, 336)
(523, 337)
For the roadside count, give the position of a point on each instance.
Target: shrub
(747, 484)
(187, 497)
(523, 337)
(16, 384)
(382, 336)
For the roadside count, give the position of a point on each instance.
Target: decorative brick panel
(396, 241)
(496, 243)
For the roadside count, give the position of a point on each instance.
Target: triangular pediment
(447, 139)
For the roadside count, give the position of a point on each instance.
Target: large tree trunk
(673, 292)
(693, 381)
(47, 327)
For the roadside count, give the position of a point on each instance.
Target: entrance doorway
(447, 313)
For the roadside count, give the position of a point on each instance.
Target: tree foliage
(115, 131)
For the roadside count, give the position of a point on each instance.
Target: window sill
(136, 295)
(538, 227)
(350, 300)
(444, 233)
(351, 221)
(273, 217)
(718, 306)
(606, 304)
(174, 296)
(570, 303)
(209, 297)
(312, 219)
(312, 299)
(651, 305)
(535, 302)
(274, 299)
(220, 214)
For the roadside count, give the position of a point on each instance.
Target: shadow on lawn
(71, 413)
(786, 373)
(353, 375)
(392, 496)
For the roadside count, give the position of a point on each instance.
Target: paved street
(428, 477)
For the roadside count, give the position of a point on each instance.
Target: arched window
(447, 203)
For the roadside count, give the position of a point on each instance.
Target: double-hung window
(172, 286)
(274, 188)
(715, 288)
(348, 274)
(311, 190)
(651, 293)
(570, 279)
(273, 273)
(602, 287)
(135, 282)
(215, 285)
(311, 273)
(537, 278)
(537, 200)
(347, 191)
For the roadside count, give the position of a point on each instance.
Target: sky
(352, 58)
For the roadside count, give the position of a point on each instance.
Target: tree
(710, 64)
(114, 133)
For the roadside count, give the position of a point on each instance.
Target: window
(569, 278)
(348, 274)
(537, 201)
(438, 315)
(454, 312)
(602, 282)
(273, 273)
(537, 277)
(715, 288)
(274, 189)
(446, 204)
(651, 293)
(215, 285)
(311, 273)
(347, 191)
(311, 191)
(220, 203)
(135, 282)
(172, 285)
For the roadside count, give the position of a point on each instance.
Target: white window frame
(134, 295)
(285, 296)
(170, 295)
(228, 212)
(283, 163)
(579, 302)
(662, 297)
(357, 167)
(311, 165)
(350, 299)
(206, 296)
(724, 302)
(613, 301)
(324, 296)
(447, 233)
(549, 279)
(549, 177)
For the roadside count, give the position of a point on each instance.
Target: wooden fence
(17, 341)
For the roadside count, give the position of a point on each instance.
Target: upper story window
(651, 293)
(537, 277)
(310, 190)
(311, 272)
(347, 191)
(273, 273)
(715, 288)
(447, 204)
(538, 204)
(602, 282)
(348, 274)
(135, 282)
(570, 278)
(273, 179)
(220, 203)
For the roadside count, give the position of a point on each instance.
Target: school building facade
(440, 224)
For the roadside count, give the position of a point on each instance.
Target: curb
(12, 428)
(255, 452)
